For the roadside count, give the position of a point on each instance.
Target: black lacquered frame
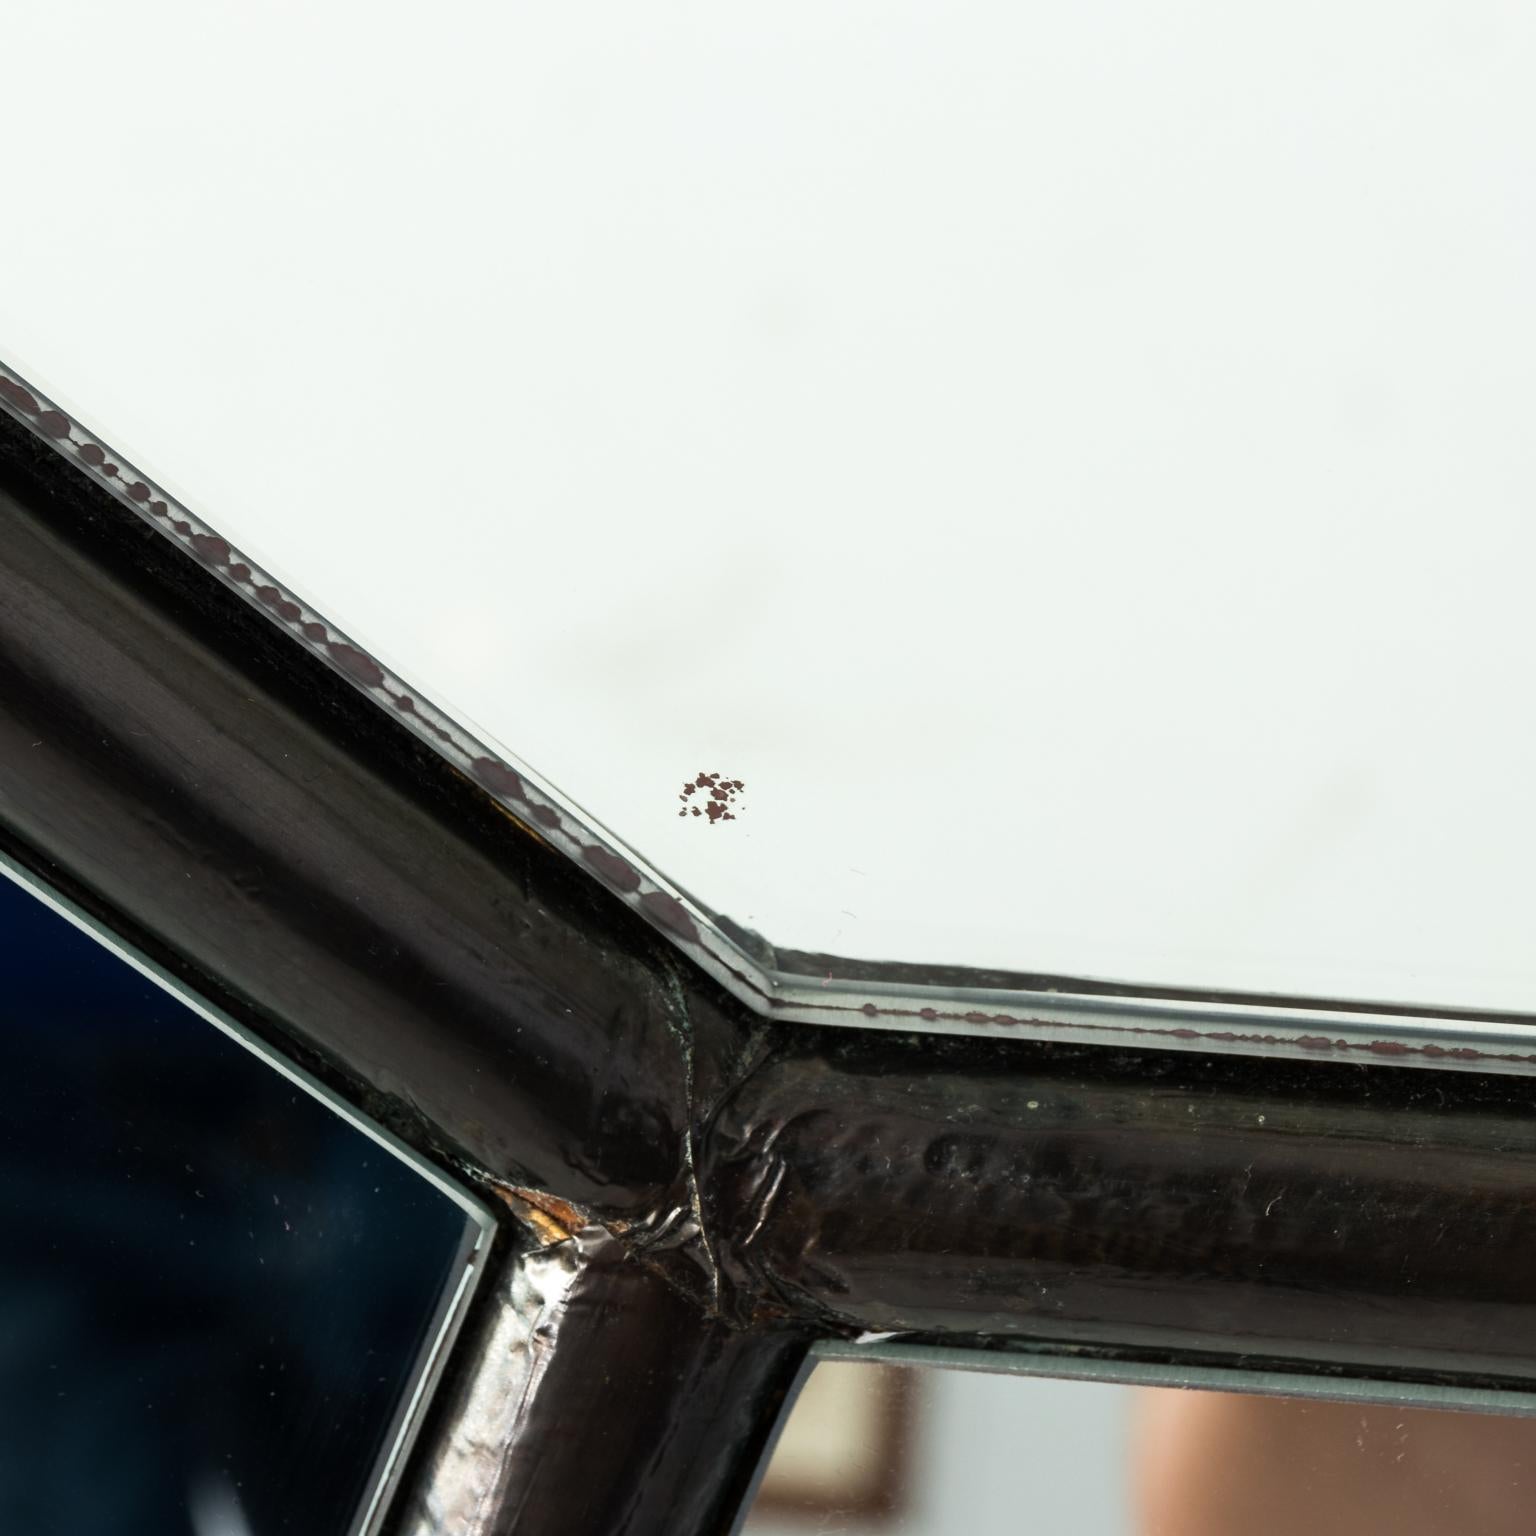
(697, 1192)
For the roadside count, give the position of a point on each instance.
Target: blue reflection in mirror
(216, 1293)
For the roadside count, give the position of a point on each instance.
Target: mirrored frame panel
(700, 1186)
(226, 1294)
(1069, 464)
(876, 1448)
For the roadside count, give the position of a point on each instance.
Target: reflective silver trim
(462, 1492)
(1297, 1029)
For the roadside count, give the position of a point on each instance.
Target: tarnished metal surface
(1375, 1223)
(460, 1489)
(600, 1402)
(481, 995)
(383, 916)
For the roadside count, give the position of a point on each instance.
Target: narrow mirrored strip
(1065, 1367)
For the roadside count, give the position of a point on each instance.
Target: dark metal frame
(697, 1192)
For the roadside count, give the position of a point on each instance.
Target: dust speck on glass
(717, 795)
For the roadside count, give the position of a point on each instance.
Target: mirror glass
(217, 1292)
(875, 1449)
(1071, 464)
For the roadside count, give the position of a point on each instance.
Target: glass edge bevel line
(883, 1349)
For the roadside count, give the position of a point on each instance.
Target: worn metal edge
(1095, 1014)
(474, 1246)
(460, 1491)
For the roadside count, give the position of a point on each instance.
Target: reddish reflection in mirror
(897, 1451)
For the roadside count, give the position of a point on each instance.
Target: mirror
(876, 1449)
(218, 1292)
(1069, 463)
(999, 490)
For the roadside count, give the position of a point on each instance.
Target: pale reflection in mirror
(887, 1449)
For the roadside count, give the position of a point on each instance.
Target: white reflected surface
(972, 1455)
(1073, 464)
(985, 1454)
